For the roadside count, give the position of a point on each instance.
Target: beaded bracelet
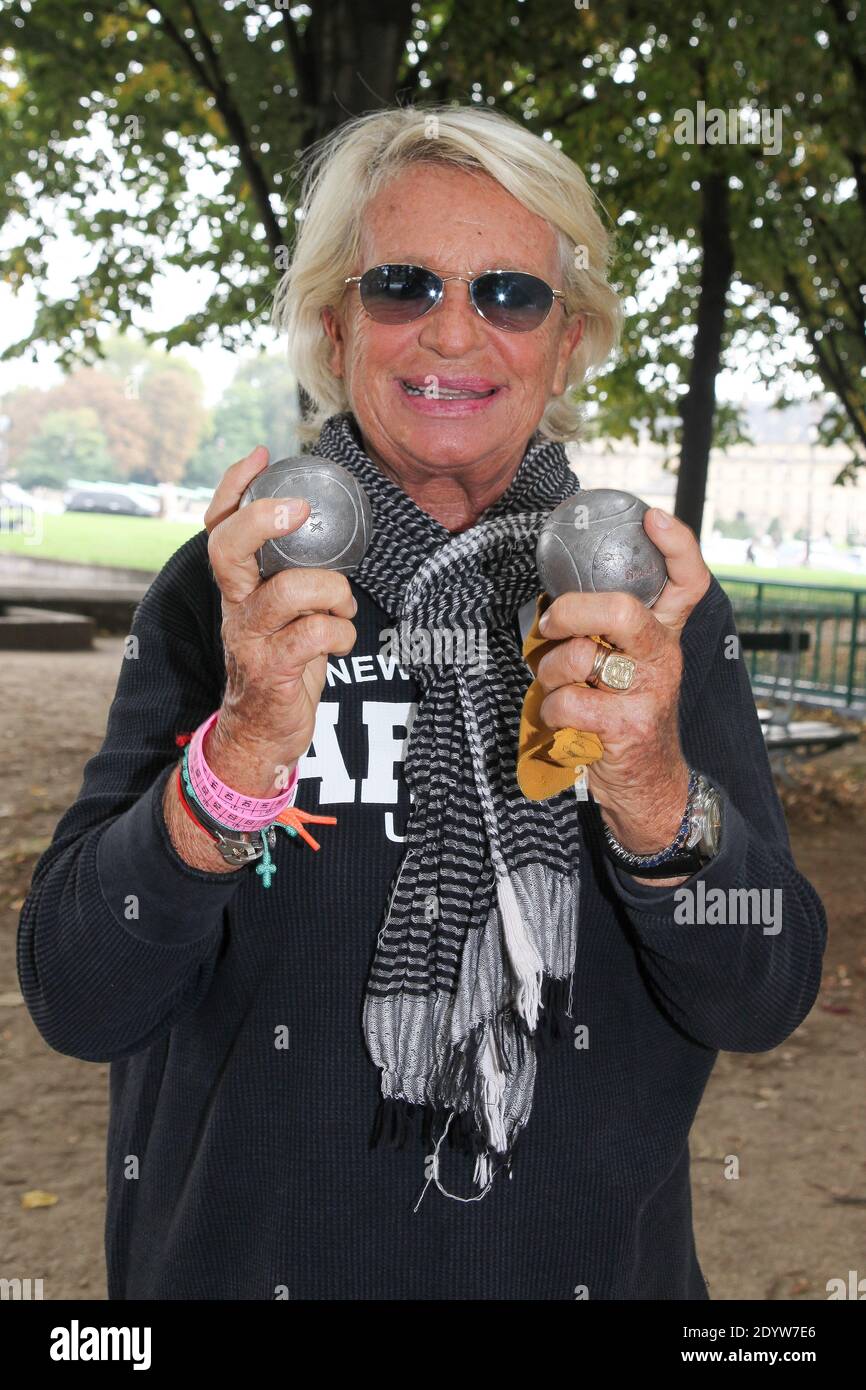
(651, 861)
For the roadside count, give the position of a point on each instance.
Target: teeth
(443, 395)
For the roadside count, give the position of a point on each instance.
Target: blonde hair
(346, 170)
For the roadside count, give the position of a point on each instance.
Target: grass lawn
(836, 578)
(133, 542)
(141, 542)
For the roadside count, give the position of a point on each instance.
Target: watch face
(713, 822)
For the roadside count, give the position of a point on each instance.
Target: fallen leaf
(38, 1198)
(11, 999)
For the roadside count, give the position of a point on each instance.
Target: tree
(148, 408)
(121, 416)
(728, 247)
(258, 407)
(171, 400)
(175, 87)
(69, 444)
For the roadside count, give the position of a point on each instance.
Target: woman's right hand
(277, 634)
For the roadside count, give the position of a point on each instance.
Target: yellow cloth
(547, 761)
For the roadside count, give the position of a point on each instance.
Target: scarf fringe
(398, 1121)
(555, 1022)
(525, 961)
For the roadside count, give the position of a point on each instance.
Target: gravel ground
(792, 1118)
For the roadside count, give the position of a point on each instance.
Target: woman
(518, 981)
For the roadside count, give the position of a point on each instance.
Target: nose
(452, 328)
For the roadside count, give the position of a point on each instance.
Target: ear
(333, 326)
(571, 336)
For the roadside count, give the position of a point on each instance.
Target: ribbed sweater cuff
(722, 872)
(142, 874)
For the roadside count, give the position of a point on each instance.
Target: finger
(566, 662)
(311, 636)
(233, 543)
(599, 712)
(620, 619)
(281, 599)
(232, 486)
(686, 567)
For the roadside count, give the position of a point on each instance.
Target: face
(454, 223)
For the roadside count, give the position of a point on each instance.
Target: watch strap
(685, 864)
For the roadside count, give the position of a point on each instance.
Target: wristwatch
(235, 846)
(696, 844)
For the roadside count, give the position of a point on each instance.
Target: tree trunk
(346, 62)
(699, 404)
(348, 59)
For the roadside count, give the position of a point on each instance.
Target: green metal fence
(832, 673)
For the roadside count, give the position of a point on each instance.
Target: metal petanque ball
(337, 532)
(594, 542)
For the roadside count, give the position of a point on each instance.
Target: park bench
(782, 734)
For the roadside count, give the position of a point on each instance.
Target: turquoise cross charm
(267, 872)
(267, 868)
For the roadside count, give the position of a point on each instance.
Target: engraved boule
(338, 530)
(594, 542)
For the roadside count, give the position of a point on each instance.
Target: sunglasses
(506, 299)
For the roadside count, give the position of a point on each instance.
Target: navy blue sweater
(242, 1096)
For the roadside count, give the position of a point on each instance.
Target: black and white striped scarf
(476, 952)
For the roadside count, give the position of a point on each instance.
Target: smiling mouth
(443, 394)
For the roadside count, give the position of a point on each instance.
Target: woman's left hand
(642, 781)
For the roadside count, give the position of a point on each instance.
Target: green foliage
(69, 444)
(258, 407)
(235, 88)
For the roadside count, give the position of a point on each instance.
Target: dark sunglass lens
(509, 299)
(398, 293)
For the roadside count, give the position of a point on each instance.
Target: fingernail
(544, 622)
(663, 518)
(287, 511)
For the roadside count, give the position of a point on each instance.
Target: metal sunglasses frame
(470, 281)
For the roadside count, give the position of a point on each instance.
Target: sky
(176, 294)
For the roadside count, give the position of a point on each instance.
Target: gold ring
(613, 669)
